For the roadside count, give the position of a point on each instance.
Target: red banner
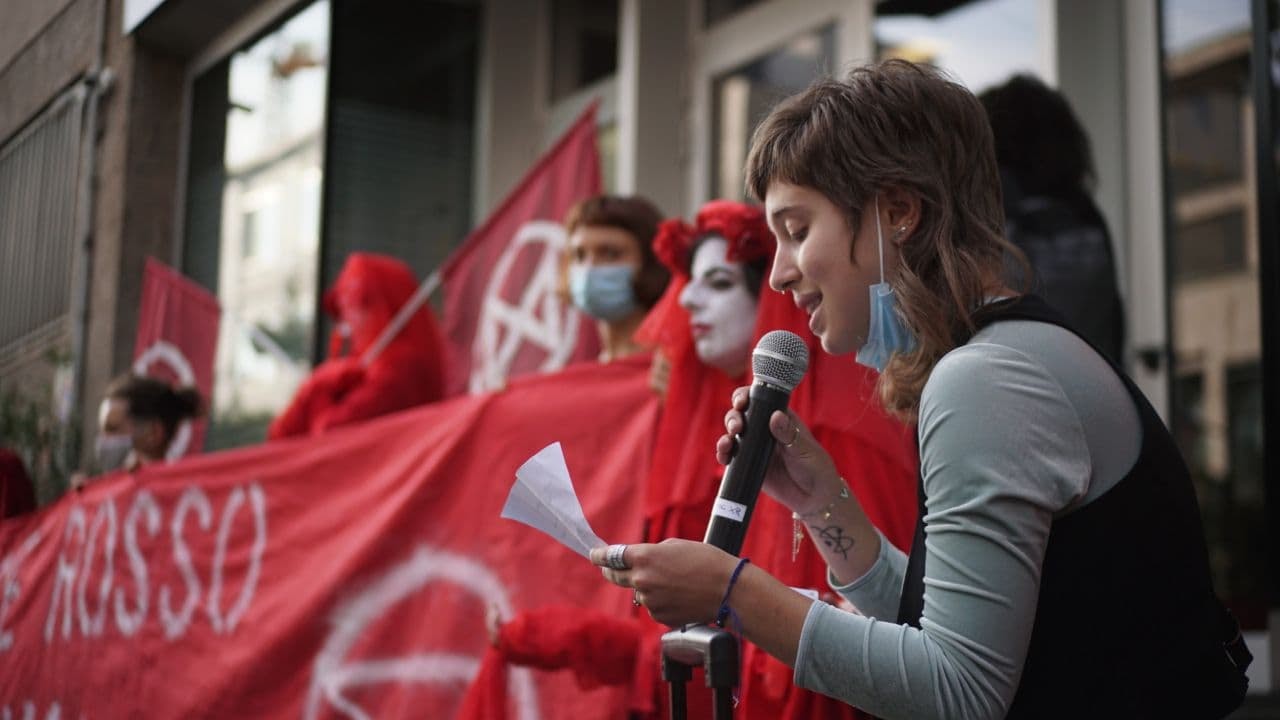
(177, 340)
(345, 576)
(503, 316)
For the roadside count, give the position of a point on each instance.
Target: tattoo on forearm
(835, 539)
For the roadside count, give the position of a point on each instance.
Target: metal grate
(39, 178)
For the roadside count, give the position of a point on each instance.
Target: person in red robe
(350, 386)
(718, 266)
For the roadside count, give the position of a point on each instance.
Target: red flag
(177, 339)
(327, 578)
(503, 317)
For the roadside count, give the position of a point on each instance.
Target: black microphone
(778, 363)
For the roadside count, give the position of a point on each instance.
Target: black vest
(1127, 624)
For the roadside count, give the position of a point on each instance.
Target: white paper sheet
(543, 498)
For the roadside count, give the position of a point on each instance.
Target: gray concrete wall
(45, 47)
(136, 198)
(511, 99)
(41, 53)
(23, 23)
(653, 102)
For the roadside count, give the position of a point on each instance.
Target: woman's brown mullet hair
(900, 125)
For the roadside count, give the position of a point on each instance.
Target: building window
(253, 237)
(1210, 247)
(979, 42)
(584, 44)
(1205, 134)
(1245, 517)
(1189, 423)
(742, 97)
(39, 181)
(1214, 286)
(249, 234)
(347, 127)
(398, 162)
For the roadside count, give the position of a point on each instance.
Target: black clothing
(1127, 624)
(1072, 261)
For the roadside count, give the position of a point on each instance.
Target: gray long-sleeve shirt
(1023, 424)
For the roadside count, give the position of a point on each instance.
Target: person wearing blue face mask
(137, 422)
(611, 272)
(1059, 567)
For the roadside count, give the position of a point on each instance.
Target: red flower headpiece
(672, 244)
(741, 225)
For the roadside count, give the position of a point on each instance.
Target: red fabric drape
(503, 317)
(322, 577)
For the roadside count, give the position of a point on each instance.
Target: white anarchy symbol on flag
(334, 675)
(167, 353)
(537, 317)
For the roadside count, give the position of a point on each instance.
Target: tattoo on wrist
(835, 539)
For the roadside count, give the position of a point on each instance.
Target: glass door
(1214, 250)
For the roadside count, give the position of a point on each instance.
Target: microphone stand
(778, 363)
(716, 650)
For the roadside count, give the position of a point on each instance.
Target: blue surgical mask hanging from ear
(604, 292)
(887, 333)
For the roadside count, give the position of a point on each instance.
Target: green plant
(29, 427)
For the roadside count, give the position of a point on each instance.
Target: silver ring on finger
(635, 597)
(614, 557)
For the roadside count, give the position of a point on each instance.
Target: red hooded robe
(408, 372)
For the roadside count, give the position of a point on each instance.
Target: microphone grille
(780, 358)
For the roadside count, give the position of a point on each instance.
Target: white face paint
(722, 311)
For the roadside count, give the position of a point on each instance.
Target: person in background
(706, 324)
(138, 419)
(610, 271)
(348, 387)
(1046, 172)
(17, 494)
